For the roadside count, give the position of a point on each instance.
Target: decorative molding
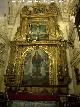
(76, 58)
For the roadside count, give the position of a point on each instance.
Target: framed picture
(36, 68)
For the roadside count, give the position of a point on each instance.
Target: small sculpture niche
(60, 74)
(77, 73)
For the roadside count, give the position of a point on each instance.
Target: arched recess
(36, 68)
(46, 67)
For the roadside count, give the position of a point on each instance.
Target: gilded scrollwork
(23, 51)
(39, 15)
(56, 54)
(40, 8)
(37, 51)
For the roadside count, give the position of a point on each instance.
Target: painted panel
(36, 68)
(37, 32)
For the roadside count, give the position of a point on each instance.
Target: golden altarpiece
(38, 60)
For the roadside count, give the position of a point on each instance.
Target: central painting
(36, 68)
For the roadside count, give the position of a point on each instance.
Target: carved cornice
(53, 42)
(40, 9)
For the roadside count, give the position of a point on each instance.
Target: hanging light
(13, 1)
(79, 26)
(52, 1)
(60, 0)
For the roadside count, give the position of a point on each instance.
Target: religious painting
(37, 32)
(36, 68)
